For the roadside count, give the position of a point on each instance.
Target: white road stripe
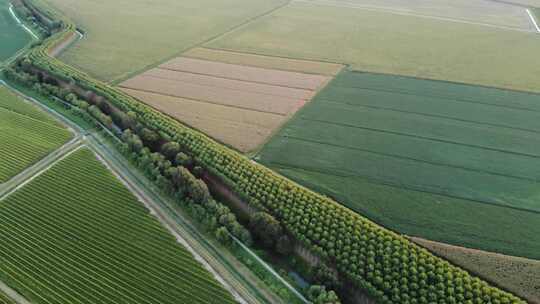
(533, 20)
(405, 13)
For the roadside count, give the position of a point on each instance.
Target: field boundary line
(533, 19)
(229, 79)
(414, 159)
(400, 186)
(115, 81)
(510, 3)
(238, 79)
(202, 101)
(398, 91)
(402, 13)
(327, 101)
(424, 137)
(206, 47)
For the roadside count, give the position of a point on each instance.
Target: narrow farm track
(12, 294)
(43, 165)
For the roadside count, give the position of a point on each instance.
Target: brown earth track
(268, 62)
(239, 85)
(242, 129)
(246, 73)
(222, 96)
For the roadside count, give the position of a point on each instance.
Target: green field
(12, 36)
(27, 135)
(125, 36)
(76, 235)
(397, 44)
(446, 162)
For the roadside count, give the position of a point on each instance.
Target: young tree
(318, 295)
(170, 149)
(222, 235)
(182, 159)
(198, 191)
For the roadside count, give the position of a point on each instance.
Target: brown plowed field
(246, 73)
(268, 62)
(238, 105)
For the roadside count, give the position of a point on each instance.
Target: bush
(265, 228)
(223, 236)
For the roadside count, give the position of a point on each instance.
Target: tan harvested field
(246, 73)
(232, 84)
(268, 62)
(217, 95)
(518, 275)
(244, 129)
(241, 106)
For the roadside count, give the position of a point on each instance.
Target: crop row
(89, 241)
(4, 299)
(24, 141)
(384, 264)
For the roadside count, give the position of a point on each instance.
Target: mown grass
(442, 161)
(517, 275)
(125, 36)
(389, 43)
(13, 36)
(27, 135)
(89, 240)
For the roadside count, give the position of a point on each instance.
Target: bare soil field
(518, 275)
(268, 62)
(245, 73)
(238, 105)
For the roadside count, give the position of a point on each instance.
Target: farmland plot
(268, 62)
(442, 161)
(485, 12)
(26, 134)
(395, 43)
(127, 36)
(75, 234)
(238, 105)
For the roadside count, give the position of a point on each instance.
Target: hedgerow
(385, 265)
